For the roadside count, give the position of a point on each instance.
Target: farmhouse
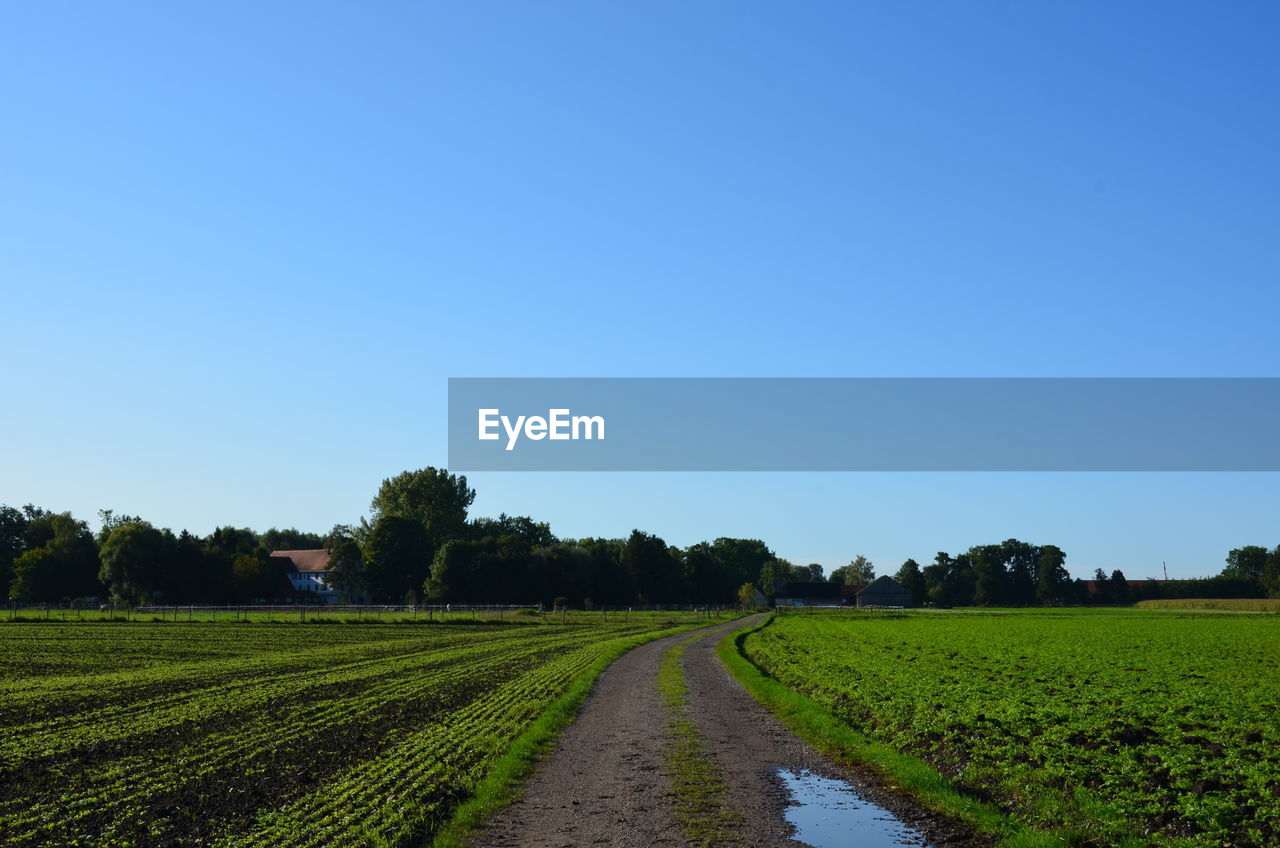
(881, 592)
(306, 573)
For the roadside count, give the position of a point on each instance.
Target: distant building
(787, 594)
(881, 592)
(884, 592)
(306, 573)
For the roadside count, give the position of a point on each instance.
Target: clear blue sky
(243, 245)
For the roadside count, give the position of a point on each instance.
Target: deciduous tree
(346, 565)
(859, 572)
(134, 557)
(1053, 578)
(912, 579)
(433, 497)
(1249, 562)
(397, 558)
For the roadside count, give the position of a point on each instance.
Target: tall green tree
(610, 583)
(433, 497)
(188, 578)
(1119, 587)
(654, 571)
(811, 573)
(559, 569)
(773, 572)
(13, 541)
(452, 569)
(1052, 579)
(397, 559)
(535, 534)
(935, 579)
(912, 579)
(703, 574)
(60, 560)
(1271, 574)
(859, 572)
(346, 565)
(741, 561)
(109, 521)
(1022, 562)
(991, 578)
(253, 577)
(229, 541)
(1248, 562)
(950, 581)
(134, 557)
(290, 539)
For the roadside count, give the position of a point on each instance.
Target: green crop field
(1115, 728)
(223, 734)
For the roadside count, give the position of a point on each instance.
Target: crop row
(393, 797)
(96, 726)
(204, 763)
(51, 651)
(130, 788)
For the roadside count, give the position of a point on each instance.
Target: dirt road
(605, 783)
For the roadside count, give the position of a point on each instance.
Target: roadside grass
(697, 781)
(501, 785)
(838, 740)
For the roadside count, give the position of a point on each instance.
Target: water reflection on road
(829, 813)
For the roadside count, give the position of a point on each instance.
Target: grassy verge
(843, 743)
(697, 781)
(500, 786)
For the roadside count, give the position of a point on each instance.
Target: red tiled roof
(303, 561)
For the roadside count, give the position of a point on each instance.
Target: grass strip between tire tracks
(501, 785)
(696, 779)
(835, 738)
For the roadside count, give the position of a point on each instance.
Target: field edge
(901, 772)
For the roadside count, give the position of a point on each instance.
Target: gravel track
(605, 785)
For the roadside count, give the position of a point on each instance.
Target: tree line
(1015, 573)
(420, 544)
(1011, 573)
(417, 545)
(51, 557)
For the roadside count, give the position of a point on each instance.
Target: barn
(819, 594)
(881, 592)
(884, 592)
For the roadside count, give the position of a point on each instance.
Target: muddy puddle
(829, 813)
